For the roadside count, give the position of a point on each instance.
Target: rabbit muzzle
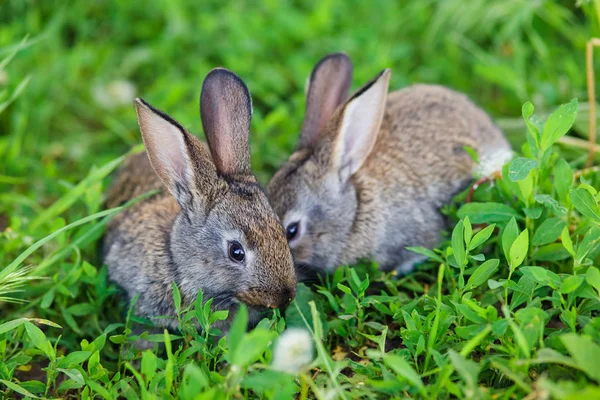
(267, 299)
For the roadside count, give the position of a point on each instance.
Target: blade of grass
(17, 262)
(71, 197)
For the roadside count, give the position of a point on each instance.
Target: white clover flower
(116, 94)
(293, 351)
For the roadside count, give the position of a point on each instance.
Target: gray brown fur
(416, 165)
(180, 235)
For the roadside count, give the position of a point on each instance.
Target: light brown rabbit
(213, 229)
(371, 172)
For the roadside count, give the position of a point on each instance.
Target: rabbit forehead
(297, 183)
(245, 211)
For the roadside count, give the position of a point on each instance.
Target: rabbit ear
(359, 125)
(327, 88)
(226, 111)
(175, 158)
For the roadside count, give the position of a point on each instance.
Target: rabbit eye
(292, 231)
(236, 252)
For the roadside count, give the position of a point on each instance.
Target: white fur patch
(492, 162)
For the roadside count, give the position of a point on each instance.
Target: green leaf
(592, 276)
(563, 179)
(519, 249)
(194, 381)
(548, 231)
(10, 325)
(590, 240)
(526, 188)
(237, 331)
(548, 355)
(74, 358)
(47, 299)
(558, 124)
(467, 369)
(589, 188)
(542, 276)
(533, 212)
(425, 252)
(264, 382)
(523, 291)
(584, 352)
(477, 257)
(471, 152)
(482, 273)
(98, 388)
(520, 168)
(403, 369)
(74, 374)
(571, 284)
(481, 237)
(458, 245)
(82, 309)
(149, 364)
(252, 346)
(532, 321)
(585, 203)
(494, 284)
(468, 231)
(483, 213)
(300, 311)
(176, 297)
(519, 336)
(22, 391)
(550, 252)
(551, 204)
(565, 238)
(509, 235)
(39, 339)
(527, 111)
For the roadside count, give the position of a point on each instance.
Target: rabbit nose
(283, 298)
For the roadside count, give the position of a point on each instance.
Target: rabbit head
(226, 239)
(314, 193)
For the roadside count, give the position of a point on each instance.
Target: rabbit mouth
(260, 309)
(263, 301)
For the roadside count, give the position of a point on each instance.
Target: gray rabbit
(213, 229)
(371, 171)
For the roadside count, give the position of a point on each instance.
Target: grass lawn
(507, 307)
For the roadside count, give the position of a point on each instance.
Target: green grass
(507, 307)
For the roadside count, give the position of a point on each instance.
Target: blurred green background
(83, 62)
(70, 69)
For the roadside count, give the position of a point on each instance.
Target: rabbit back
(421, 144)
(417, 165)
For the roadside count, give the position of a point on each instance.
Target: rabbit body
(212, 229)
(367, 186)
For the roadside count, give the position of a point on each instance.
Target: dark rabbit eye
(291, 231)
(236, 252)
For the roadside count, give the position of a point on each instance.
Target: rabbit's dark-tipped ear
(226, 112)
(179, 164)
(327, 88)
(359, 125)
